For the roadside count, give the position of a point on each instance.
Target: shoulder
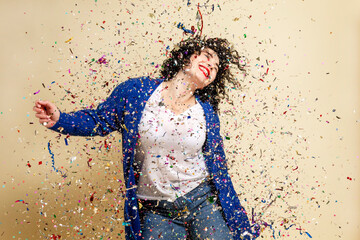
(208, 110)
(138, 85)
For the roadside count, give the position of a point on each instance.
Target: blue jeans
(194, 216)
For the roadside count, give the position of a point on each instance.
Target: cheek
(193, 60)
(214, 75)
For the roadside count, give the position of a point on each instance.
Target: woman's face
(203, 68)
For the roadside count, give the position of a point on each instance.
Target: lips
(205, 70)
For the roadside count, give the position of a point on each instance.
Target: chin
(203, 85)
(200, 84)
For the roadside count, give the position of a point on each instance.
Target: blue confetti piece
(289, 227)
(53, 161)
(181, 26)
(273, 231)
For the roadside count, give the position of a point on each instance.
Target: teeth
(206, 72)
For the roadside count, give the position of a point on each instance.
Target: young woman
(177, 182)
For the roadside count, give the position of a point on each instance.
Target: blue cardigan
(122, 111)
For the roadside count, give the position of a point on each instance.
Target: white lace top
(169, 150)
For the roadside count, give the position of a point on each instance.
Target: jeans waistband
(202, 189)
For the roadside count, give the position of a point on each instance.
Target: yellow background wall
(291, 135)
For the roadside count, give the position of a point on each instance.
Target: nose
(210, 65)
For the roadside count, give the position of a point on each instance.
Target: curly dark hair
(228, 57)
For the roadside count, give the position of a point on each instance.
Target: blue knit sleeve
(239, 223)
(107, 117)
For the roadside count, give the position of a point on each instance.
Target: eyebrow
(207, 51)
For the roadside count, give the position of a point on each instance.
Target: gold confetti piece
(68, 40)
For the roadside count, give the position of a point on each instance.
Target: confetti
(68, 40)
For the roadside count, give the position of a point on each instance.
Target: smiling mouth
(205, 70)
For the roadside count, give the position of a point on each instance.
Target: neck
(180, 87)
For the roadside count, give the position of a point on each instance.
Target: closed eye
(208, 57)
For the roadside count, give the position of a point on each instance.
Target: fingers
(37, 109)
(46, 112)
(40, 110)
(42, 116)
(45, 104)
(46, 122)
(43, 120)
(38, 103)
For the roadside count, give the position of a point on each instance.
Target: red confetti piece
(88, 162)
(55, 236)
(92, 197)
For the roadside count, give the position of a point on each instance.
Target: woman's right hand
(47, 113)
